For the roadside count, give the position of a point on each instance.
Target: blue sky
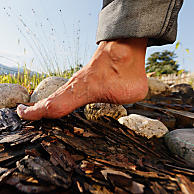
(46, 34)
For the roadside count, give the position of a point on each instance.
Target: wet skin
(115, 74)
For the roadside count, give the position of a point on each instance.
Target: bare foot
(115, 74)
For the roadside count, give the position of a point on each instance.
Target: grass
(52, 54)
(51, 49)
(24, 79)
(30, 82)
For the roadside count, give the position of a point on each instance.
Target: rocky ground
(146, 147)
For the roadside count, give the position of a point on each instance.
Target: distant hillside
(12, 70)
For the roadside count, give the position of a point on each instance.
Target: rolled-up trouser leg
(153, 19)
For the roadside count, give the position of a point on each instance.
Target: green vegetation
(30, 82)
(165, 62)
(162, 63)
(56, 52)
(24, 79)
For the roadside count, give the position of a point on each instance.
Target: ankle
(122, 50)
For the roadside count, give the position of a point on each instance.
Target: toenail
(22, 107)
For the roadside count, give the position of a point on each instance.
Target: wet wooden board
(183, 118)
(9, 120)
(74, 155)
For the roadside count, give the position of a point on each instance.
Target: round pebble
(12, 94)
(144, 126)
(46, 87)
(96, 110)
(181, 143)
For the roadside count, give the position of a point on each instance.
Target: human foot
(115, 74)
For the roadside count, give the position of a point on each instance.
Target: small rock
(168, 120)
(11, 94)
(181, 143)
(47, 87)
(157, 87)
(182, 89)
(144, 126)
(96, 110)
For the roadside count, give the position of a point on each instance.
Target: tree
(162, 63)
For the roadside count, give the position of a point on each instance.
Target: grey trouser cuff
(153, 19)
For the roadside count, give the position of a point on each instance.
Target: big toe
(29, 113)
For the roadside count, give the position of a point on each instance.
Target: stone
(182, 89)
(168, 120)
(144, 126)
(46, 87)
(181, 143)
(183, 118)
(96, 110)
(157, 87)
(12, 94)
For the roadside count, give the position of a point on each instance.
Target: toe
(29, 113)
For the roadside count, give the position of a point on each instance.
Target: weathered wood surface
(183, 118)
(73, 155)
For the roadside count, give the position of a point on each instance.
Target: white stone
(11, 94)
(157, 87)
(144, 126)
(47, 87)
(96, 110)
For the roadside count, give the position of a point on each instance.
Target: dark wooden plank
(183, 118)
(74, 155)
